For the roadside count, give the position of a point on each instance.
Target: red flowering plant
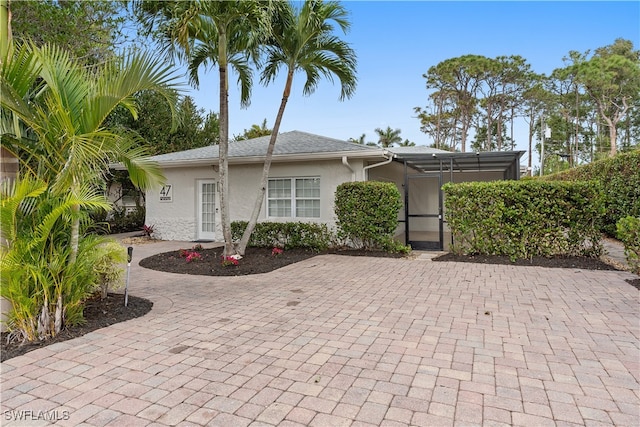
(147, 230)
(192, 254)
(229, 261)
(276, 251)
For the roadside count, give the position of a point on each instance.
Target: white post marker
(126, 286)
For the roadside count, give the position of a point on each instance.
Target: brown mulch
(255, 261)
(584, 263)
(100, 313)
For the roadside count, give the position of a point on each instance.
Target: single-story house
(303, 178)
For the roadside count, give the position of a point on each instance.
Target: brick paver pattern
(349, 341)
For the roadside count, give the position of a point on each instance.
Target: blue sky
(396, 43)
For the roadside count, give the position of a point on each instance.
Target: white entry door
(206, 209)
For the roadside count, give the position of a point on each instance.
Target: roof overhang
(507, 162)
(277, 158)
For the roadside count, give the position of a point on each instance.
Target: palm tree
(406, 143)
(71, 146)
(388, 136)
(359, 140)
(303, 40)
(63, 105)
(222, 33)
(256, 131)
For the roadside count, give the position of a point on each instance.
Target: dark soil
(255, 261)
(98, 313)
(584, 263)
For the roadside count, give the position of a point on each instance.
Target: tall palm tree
(68, 145)
(388, 137)
(222, 33)
(303, 40)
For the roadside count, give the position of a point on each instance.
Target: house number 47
(166, 193)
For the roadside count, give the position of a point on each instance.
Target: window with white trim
(293, 198)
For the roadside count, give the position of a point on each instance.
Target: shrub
(522, 219)
(628, 231)
(45, 286)
(287, 235)
(107, 266)
(118, 221)
(367, 213)
(619, 178)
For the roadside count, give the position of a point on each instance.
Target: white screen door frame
(206, 190)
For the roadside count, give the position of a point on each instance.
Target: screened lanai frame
(443, 166)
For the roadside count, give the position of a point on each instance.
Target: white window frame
(292, 198)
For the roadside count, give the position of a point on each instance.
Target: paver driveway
(338, 340)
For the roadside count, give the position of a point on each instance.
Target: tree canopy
(587, 103)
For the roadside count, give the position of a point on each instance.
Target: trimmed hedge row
(523, 219)
(619, 178)
(367, 214)
(286, 235)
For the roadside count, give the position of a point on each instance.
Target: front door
(206, 209)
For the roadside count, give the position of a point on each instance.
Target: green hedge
(628, 231)
(287, 235)
(619, 178)
(522, 219)
(367, 214)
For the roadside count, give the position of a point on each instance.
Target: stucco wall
(177, 220)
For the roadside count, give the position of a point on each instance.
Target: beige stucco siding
(178, 219)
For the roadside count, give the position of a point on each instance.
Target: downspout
(345, 162)
(375, 165)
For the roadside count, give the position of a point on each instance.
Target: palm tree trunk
(75, 233)
(242, 246)
(223, 160)
(5, 28)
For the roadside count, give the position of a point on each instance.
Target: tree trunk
(5, 28)
(223, 160)
(75, 233)
(531, 131)
(242, 246)
(59, 315)
(44, 320)
(613, 136)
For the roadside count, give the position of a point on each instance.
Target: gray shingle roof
(288, 143)
(418, 149)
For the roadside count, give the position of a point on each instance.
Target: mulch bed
(585, 263)
(100, 313)
(255, 261)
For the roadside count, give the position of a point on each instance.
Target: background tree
(406, 143)
(362, 140)
(154, 123)
(611, 77)
(255, 131)
(303, 40)
(90, 30)
(455, 83)
(387, 137)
